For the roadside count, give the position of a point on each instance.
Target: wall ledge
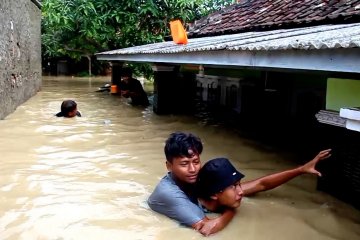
(330, 118)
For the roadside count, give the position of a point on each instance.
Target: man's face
(125, 78)
(230, 196)
(185, 169)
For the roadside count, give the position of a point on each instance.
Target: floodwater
(89, 177)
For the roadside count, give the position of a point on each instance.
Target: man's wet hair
(126, 72)
(68, 106)
(178, 145)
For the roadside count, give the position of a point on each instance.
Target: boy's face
(230, 196)
(185, 169)
(72, 113)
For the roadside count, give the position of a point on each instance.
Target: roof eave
(332, 60)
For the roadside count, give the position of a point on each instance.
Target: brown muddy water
(89, 177)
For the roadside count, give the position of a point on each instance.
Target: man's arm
(184, 211)
(209, 226)
(277, 179)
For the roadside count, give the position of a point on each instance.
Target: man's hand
(310, 166)
(206, 226)
(210, 226)
(125, 93)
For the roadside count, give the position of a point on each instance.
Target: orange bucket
(113, 89)
(178, 32)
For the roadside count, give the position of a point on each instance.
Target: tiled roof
(250, 15)
(316, 37)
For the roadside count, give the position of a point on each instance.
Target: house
(276, 63)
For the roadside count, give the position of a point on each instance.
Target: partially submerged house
(275, 63)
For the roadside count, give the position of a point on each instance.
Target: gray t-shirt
(169, 200)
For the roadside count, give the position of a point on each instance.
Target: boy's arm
(274, 180)
(209, 226)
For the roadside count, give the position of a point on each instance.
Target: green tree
(80, 28)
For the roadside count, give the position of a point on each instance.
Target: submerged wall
(20, 53)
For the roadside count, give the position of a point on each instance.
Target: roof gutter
(331, 60)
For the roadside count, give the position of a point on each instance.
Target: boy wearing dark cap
(219, 183)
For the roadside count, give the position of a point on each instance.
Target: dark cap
(216, 175)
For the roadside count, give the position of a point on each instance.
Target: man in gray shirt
(175, 195)
(169, 199)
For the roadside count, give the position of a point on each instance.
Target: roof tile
(269, 14)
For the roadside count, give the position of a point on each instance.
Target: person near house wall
(132, 88)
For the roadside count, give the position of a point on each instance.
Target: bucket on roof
(178, 32)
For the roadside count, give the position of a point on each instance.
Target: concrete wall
(20, 53)
(285, 95)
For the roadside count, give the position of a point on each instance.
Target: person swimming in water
(68, 109)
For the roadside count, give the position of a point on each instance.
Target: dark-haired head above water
(68, 109)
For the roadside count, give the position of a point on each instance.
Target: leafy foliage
(80, 28)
